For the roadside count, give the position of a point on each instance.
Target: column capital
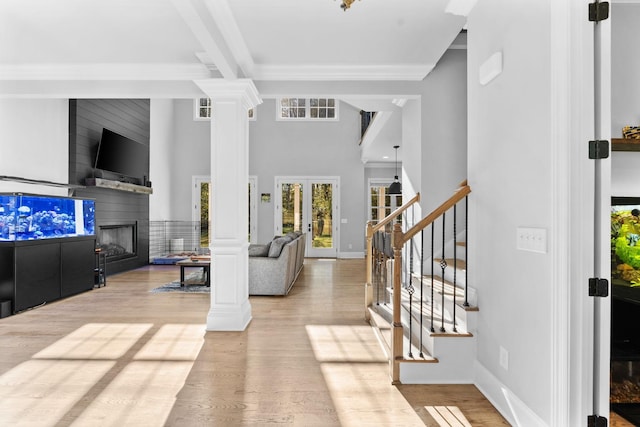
(240, 89)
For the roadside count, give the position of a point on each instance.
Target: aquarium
(625, 241)
(31, 217)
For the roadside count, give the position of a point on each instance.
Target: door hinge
(598, 287)
(598, 11)
(596, 421)
(599, 149)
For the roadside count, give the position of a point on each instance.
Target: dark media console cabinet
(33, 272)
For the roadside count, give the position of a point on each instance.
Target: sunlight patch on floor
(174, 342)
(448, 416)
(41, 392)
(363, 395)
(141, 395)
(345, 343)
(54, 383)
(97, 341)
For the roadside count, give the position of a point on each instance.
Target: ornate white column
(229, 211)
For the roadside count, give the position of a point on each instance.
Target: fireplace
(118, 241)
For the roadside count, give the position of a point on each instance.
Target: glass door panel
(322, 214)
(308, 205)
(205, 221)
(292, 208)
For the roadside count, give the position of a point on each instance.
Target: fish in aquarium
(39, 217)
(625, 245)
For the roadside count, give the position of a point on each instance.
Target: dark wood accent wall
(130, 118)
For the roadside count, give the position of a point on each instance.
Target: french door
(201, 200)
(309, 205)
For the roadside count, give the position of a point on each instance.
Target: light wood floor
(122, 356)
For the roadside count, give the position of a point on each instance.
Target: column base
(229, 317)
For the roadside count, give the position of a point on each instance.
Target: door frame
(310, 252)
(196, 180)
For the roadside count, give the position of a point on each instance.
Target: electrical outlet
(532, 239)
(350, 246)
(504, 358)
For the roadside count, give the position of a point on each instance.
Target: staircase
(428, 327)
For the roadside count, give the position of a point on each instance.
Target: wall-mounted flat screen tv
(122, 155)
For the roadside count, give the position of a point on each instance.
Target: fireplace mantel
(118, 185)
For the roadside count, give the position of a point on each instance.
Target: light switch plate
(532, 239)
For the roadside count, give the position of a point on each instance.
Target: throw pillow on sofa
(276, 246)
(259, 250)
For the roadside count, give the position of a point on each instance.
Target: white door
(309, 205)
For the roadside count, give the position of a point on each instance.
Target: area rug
(197, 287)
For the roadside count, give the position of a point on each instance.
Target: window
(203, 110)
(382, 204)
(307, 109)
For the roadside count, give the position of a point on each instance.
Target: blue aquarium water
(26, 217)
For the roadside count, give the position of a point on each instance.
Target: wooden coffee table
(204, 265)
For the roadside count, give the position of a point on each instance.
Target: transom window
(203, 108)
(307, 109)
(204, 111)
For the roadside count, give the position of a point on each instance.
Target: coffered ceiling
(147, 48)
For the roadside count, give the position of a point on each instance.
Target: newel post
(368, 290)
(396, 331)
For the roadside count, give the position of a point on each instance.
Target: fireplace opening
(118, 241)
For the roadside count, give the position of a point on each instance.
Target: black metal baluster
(455, 265)
(410, 290)
(432, 282)
(443, 266)
(466, 252)
(383, 267)
(376, 263)
(421, 289)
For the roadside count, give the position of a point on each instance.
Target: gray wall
(625, 95)
(510, 175)
(444, 129)
(625, 65)
(278, 148)
(191, 155)
(307, 148)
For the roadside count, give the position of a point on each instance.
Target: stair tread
(451, 262)
(437, 321)
(385, 334)
(439, 284)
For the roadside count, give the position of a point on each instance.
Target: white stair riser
(455, 364)
(466, 321)
(437, 273)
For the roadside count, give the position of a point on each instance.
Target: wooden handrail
(395, 213)
(460, 194)
(370, 231)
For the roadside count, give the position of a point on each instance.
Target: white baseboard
(514, 410)
(351, 255)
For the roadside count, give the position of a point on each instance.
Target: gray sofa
(274, 267)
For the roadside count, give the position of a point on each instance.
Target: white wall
(34, 142)
(625, 95)
(509, 164)
(161, 142)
